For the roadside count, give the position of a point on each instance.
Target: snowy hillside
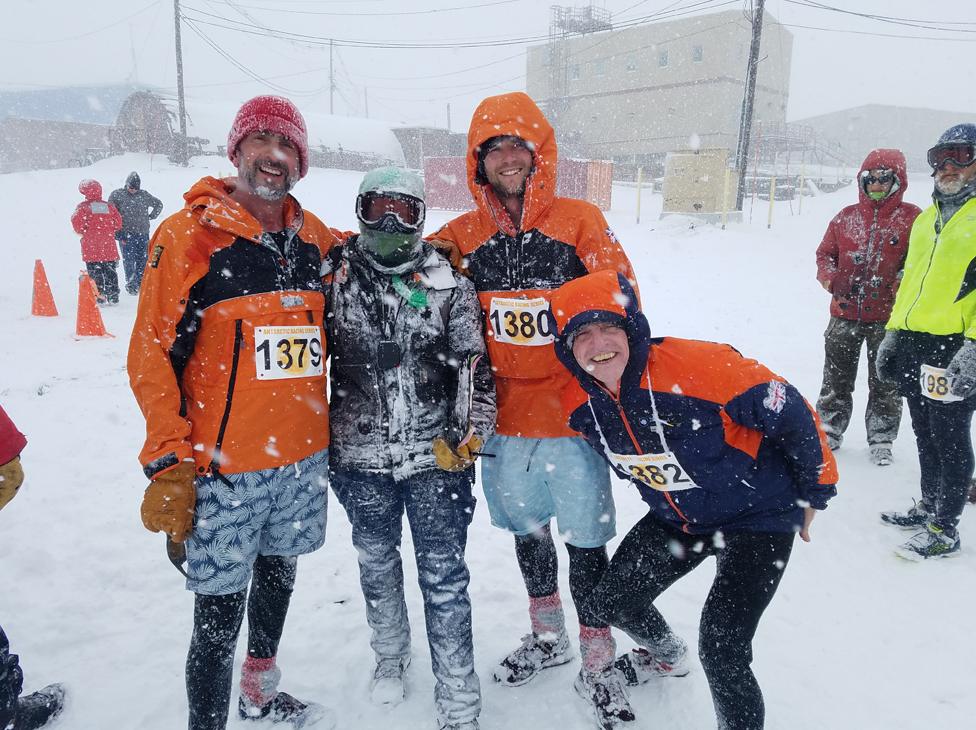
(854, 640)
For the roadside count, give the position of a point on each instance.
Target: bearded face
(268, 165)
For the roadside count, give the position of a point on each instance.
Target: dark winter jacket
(384, 415)
(96, 221)
(137, 209)
(11, 681)
(749, 448)
(12, 441)
(863, 250)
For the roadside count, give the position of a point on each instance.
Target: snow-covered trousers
(652, 556)
(106, 279)
(439, 507)
(11, 681)
(135, 252)
(842, 351)
(216, 624)
(945, 454)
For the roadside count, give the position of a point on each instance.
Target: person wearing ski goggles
(929, 350)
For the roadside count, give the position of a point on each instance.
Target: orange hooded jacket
(516, 268)
(211, 386)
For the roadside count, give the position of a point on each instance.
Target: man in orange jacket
(520, 244)
(226, 361)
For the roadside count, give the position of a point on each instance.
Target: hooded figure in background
(859, 261)
(731, 462)
(412, 402)
(97, 222)
(137, 207)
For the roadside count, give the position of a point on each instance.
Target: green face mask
(386, 244)
(880, 195)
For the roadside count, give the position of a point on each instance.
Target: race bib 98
(935, 384)
(287, 352)
(521, 321)
(658, 471)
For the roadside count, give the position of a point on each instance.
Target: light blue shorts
(530, 481)
(277, 511)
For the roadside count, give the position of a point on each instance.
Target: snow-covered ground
(855, 638)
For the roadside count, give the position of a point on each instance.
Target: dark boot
(39, 708)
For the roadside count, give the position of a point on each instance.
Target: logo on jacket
(157, 252)
(775, 396)
(292, 300)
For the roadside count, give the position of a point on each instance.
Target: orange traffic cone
(42, 303)
(89, 318)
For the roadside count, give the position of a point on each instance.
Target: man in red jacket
(96, 222)
(859, 262)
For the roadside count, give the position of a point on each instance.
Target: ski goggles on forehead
(871, 178)
(960, 154)
(408, 211)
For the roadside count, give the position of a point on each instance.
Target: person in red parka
(859, 262)
(96, 222)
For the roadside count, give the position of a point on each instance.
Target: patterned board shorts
(530, 481)
(280, 511)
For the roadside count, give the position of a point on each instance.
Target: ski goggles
(958, 154)
(883, 178)
(391, 212)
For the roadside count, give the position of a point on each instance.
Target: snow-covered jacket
(384, 416)
(96, 222)
(748, 449)
(137, 209)
(12, 441)
(516, 269)
(863, 250)
(227, 351)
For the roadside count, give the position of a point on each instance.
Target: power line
(380, 14)
(82, 35)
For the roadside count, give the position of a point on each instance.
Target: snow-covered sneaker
(638, 666)
(932, 542)
(533, 656)
(472, 725)
(386, 687)
(834, 441)
(38, 708)
(287, 710)
(914, 518)
(606, 696)
(880, 454)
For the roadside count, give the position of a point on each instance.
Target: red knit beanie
(274, 114)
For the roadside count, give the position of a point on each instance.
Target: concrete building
(634, 94)
(864, 128)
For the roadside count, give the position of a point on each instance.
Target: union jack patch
(610, 235)
(775, 396)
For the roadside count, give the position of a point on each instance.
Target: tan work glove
(168, 503)
(11, 477)
(458, 459)
(452, 253)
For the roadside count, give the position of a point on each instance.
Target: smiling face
(507, 167)
(268, 164)
(601, 349)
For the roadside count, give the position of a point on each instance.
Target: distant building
(634, 94)
(419, 143)
(864, 128)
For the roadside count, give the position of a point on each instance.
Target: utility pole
(745, 121)
(366, 101)
(448, 116)
(182, 154)
(331, 80)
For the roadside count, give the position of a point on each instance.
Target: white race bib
(935, 384)
(287, 352)
(658, 471)
(521, 321)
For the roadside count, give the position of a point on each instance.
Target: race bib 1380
(287, 352)
(524, 322)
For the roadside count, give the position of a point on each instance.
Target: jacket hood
(605, 296)
(212, 199)
(515, 115)
(91, 189)
(893, 160)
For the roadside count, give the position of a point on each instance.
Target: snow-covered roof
(86, 104)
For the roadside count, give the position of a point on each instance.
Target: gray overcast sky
(63, 42)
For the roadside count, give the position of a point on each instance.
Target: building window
(697, 54)
(574, 72)
(600, 67)
(662, 58)
(631, 62)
